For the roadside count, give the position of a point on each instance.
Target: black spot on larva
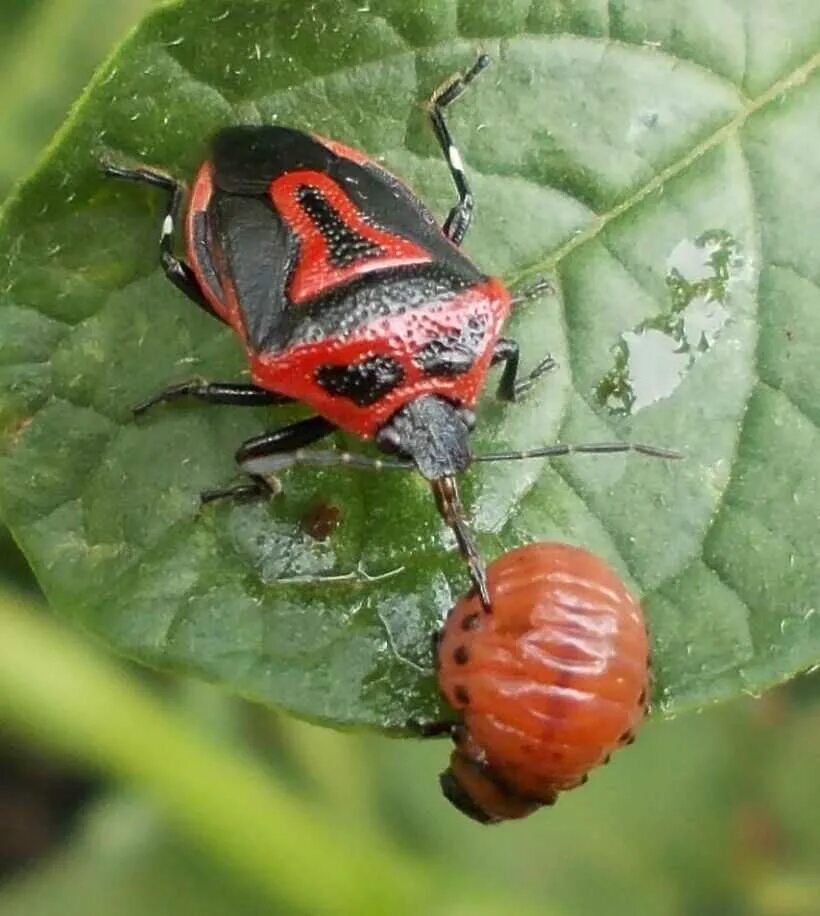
(470, 622)
(642, 698)
(607, 759)
(461, 656)
(626, 738)
(461, 695)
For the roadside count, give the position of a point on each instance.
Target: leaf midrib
(796, 78)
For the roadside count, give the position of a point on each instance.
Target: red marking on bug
(314, 273)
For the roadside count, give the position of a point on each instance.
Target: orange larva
(548, 683)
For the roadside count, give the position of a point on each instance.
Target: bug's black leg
(287, 439)
(176, 270)
(258, 488)
(541, 287)
(283, 442)
(214, 393)
(510, 388)
(458, 221)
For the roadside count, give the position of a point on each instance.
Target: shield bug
(348, 297)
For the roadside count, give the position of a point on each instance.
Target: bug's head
(470, 785)
(433, 433)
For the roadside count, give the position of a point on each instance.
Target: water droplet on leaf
(651, 360)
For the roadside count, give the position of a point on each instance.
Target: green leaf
(658, 163)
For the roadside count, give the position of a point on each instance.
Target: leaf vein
(790, 401)
(781, 265)
(793, 80)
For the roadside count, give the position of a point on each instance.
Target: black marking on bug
(471, 622)
(364, 382)
(453, 354)
(257, 250)
(461, 655)
(344, 245)
(461, 695)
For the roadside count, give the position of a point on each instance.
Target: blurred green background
(715, 813)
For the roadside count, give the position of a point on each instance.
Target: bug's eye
(469, 418)
(388, 439)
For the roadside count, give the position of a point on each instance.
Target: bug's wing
(247, 159)
(388, 202)
(256, 250)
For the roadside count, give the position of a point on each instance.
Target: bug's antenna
(449, 505)
(586, 448)
(271, 464)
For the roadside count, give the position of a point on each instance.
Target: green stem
(34, 84)
(53, 688)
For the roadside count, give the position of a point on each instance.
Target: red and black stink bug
(348, 297)
(548, 685)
